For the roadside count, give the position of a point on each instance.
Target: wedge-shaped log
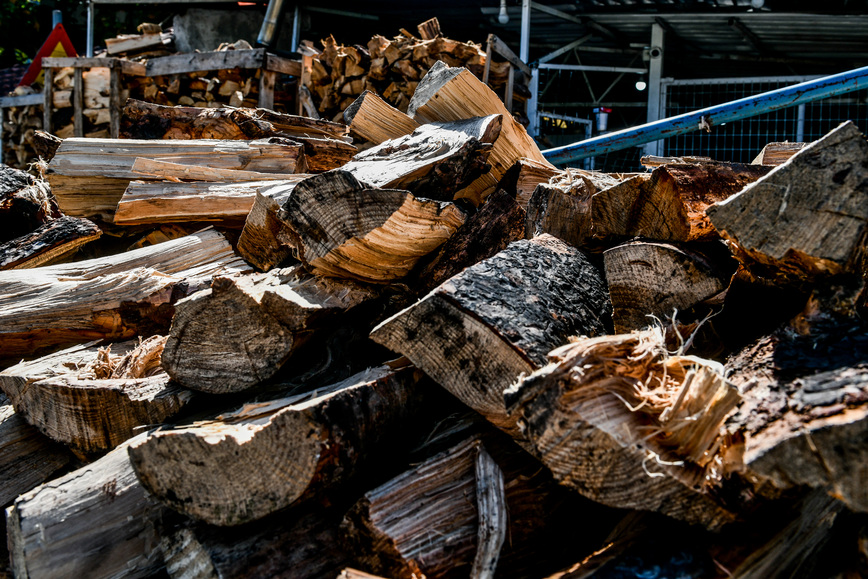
(341, 227)
(97, 521)
(113, 297)
(375, 120)
(775, 154)
(146, 202)
(524, 176)
(435, 160)
(249, 463)
(452, 94)
(239, 332)
(649, 281)
(93, 398)
(670, 204)
(27, 457)
(89, 176)
(623, 423)
(478, 331)
(808, 216)
(49, 243)
(265, 240)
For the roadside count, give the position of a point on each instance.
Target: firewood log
(157, 169)
(376, 121)
(434, 161)
(430, 29)
(50, 243)
(96, 521)
(623, 423)
(263, 457)
(25, 203)
(114, 297)
(264, 241)
(45, 145)
(451, 94)
(478, 331)
(670, 204)
(27, 457)
(92, 400)
(161, 202)
(340, 227)
(239, 332)
(650, 280)
(775, 154)
(89, 176)
(524, 176)
(807, 218)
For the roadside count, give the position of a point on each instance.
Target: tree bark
(524, 176)
(50, 243)
(478, 331)
(25, 203)
(261, 458)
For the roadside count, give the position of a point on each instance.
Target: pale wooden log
(133, 43)
(651, 281)
(478, 331)
(623, 423)
(450, 94)
(91, 400)
(350, 573)
(376, 121)
(491, 506)
(241, 331)
(670, 204)
(436, 160)
(89, 176)
(524, 176)
(264, 241)
(806, 218)
(50, 243)
(97, 521)
(656, 161)
(340, 227)
(775, 154)
(263, 457)
(176, 172)
(149, 202)
(115, 297)
(27, 457)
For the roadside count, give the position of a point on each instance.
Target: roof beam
(555, 12)
(748, 35)
(670, 31)
(565, 49)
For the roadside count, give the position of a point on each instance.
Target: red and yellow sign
(57, 44)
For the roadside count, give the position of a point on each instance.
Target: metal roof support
(524, 48)
(749, 36)
(767, 102)
(90, 15)
(592, 68)
(533, 103)
(555, 12)
(655, 74)
(565, 49)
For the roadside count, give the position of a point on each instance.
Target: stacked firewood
(452, 358)
(390, 68)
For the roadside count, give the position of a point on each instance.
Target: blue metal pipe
(732, 111)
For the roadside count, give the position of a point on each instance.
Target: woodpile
(432, 361)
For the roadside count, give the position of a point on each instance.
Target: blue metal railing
(766, 102)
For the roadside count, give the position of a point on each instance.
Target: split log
(478, 331)
(775, 154)
(649, 281)
(25, 203)
(115, 297)
(50, 243)
(241, 331)
(497, 223)
(341, 227)
(45, 145)
(27, 457)
(375, 120)
(148, 202)
(670, 204)
(435, 161)
(523, 178)
(156, 169)
(93, 522)
(265, 240)
(806, 218)
(656, 161)
(263, 457)
(93, 400)
(350, 573)
(430, 29)
(89, 176)
(451, 94)
(623, 423)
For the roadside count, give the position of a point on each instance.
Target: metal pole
(800, 124)
(655, 74)
(767, 102)
(296, 28)
(56, 18)
(90, 16)
(533, 103)
(524, 49)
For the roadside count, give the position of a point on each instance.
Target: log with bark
(116, 297)
(240, 332)
(50, 243)
(805, 219)
(344, 228)
(89, 176)
(451, 94)
(96, 521)
(265, 239)
(249, 463)
(91, 398)
(478, 331)
(375, 120)
(25, 203)
(524, 176)
(624, 423)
